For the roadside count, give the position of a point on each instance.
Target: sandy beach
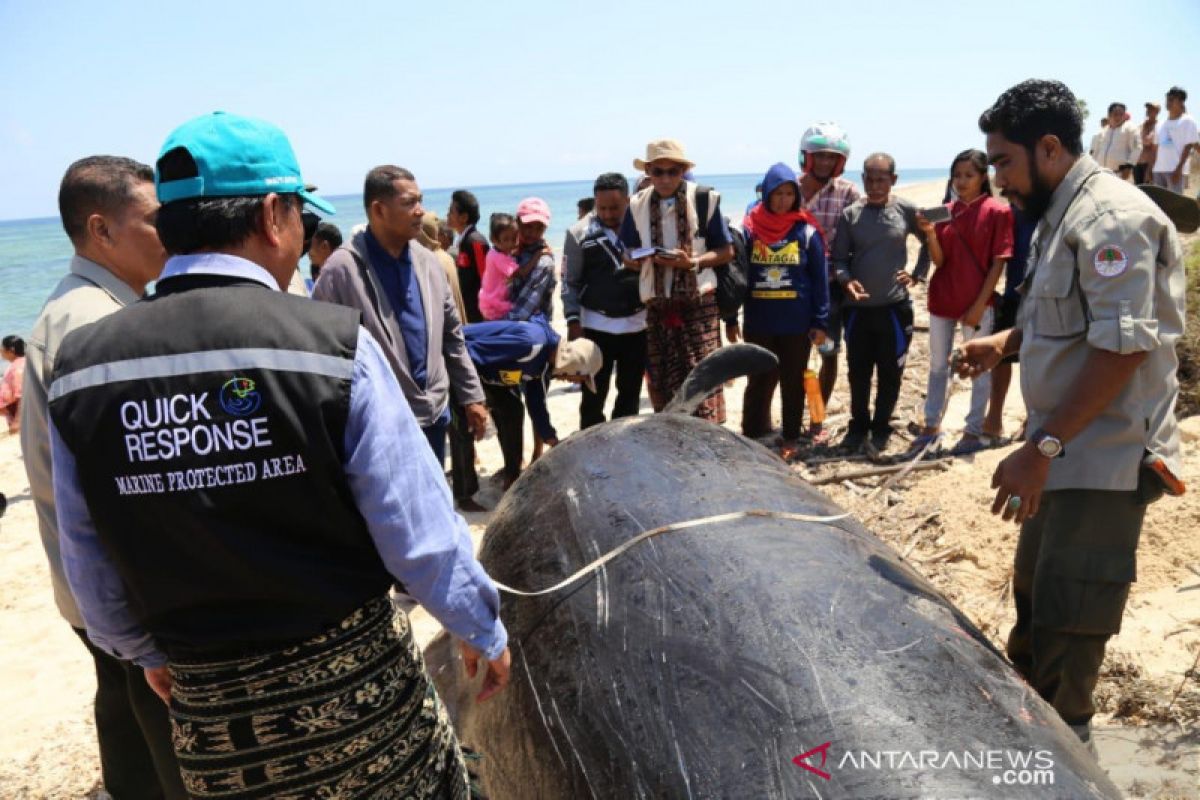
(1148, 735)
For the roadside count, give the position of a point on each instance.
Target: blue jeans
(436, 434)
(941, 342)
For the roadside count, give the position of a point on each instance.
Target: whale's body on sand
(765, 656)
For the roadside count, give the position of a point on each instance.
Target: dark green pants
(1075, 561)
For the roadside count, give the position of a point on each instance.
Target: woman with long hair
(969, 252)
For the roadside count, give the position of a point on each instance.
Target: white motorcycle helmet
(824, 137)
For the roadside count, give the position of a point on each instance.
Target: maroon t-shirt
(978, 233)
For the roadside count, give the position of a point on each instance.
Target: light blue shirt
(396, 482)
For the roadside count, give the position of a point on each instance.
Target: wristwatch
(1047, 445)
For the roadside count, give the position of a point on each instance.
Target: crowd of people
(654, 317)
(1156, 151)
(229, 478)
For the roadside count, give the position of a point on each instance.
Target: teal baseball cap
(227, 155)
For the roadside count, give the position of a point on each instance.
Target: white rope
(584, 571)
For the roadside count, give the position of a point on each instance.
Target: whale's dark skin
(701, 662)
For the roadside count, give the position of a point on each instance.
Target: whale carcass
(743, 656)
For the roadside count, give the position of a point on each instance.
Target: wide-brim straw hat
(663, 150)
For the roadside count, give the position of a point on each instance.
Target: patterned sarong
(347, 714)
(679, 334)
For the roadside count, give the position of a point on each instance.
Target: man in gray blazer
(407, 305)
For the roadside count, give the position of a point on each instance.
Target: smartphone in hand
(936, 214)
(646, 252)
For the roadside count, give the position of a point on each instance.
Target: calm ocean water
(34, 254)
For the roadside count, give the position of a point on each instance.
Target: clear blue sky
(515, 92)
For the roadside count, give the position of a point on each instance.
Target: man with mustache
(407, 305)
(824, 149)
(1103, 307)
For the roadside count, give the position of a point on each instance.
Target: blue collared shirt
(396, 275)
(396, 482)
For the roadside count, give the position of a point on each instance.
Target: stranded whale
(750, 655)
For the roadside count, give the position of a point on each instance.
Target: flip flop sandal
(928, 444)
(966, 447)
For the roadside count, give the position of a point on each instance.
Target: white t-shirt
(1173, 136)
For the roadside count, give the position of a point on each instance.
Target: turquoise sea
(34, 253)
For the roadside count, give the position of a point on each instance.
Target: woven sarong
(348, 714)
(679, 335)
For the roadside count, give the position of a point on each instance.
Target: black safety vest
(608, 287)
(208, 427)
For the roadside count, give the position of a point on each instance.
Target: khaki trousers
(1075, 561)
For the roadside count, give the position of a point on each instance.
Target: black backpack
(731, 277)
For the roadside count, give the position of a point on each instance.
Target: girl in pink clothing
(499, 267)
(13, 350)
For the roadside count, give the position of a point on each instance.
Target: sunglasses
(659, 172)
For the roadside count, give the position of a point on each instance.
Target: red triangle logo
(802, 760)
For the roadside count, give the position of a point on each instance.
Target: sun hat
(233, 156)
(1155, 106)
(580, 357)
(533, 209)
(663, 150)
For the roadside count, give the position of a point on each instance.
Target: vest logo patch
(239, 397)
(1111, 261)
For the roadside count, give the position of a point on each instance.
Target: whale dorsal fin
(731, 361)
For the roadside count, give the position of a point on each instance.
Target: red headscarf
(770, 228)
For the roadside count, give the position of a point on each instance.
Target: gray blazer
(349, 279)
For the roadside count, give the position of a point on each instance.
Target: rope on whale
(596, 564)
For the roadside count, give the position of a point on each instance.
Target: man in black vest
(239, 482)
(601, 301)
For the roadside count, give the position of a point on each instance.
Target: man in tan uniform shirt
(108, 210)
(1103, 309)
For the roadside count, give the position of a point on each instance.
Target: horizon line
(475, 187)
